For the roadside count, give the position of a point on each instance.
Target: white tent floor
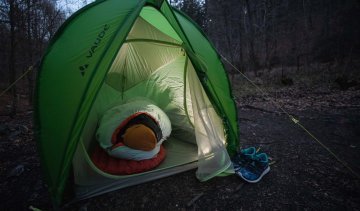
(180, 156)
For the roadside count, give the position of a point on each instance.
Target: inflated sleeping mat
(117, 166)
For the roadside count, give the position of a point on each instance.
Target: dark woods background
(275, 42)
(286, 37)
(25, 29)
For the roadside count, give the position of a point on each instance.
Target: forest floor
(303, 174)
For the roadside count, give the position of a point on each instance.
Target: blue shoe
(243, 158)
(255, 170)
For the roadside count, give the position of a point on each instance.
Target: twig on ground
(273, 142)
(272, 163)
(193, 200)
(261, 109)
(245, 119)
(345, 106)
(238, 187)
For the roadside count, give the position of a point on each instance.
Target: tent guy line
(17, 80)
(292, 118)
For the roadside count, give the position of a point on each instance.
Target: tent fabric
(213, 157)
(111, 51)
(161, 85)
(216, 84)
(180, 156)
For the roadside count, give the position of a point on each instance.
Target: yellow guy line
(13, 84)
(294, 120)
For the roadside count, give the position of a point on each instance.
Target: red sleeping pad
(118, 166)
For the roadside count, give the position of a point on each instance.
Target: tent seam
(153, 41)
(185, 87)
(177, 21)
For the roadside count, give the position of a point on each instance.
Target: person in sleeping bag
(133, 130)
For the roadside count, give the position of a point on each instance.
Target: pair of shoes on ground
(251, 166)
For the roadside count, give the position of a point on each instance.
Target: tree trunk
(12, 71)
(30, 53)
(228, 30)
(252, 57)
(240, 57)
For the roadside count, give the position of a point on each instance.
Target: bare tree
(28, 25)
(12, 7)
(252, 56)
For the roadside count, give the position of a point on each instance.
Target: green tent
(112, 51)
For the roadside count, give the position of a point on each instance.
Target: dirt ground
(303, 176)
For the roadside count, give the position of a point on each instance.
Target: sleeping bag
(133, 130)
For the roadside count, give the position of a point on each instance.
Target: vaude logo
(83, 69)
(97, 41)
(96, 44)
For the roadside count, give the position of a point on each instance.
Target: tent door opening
(151, 63)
